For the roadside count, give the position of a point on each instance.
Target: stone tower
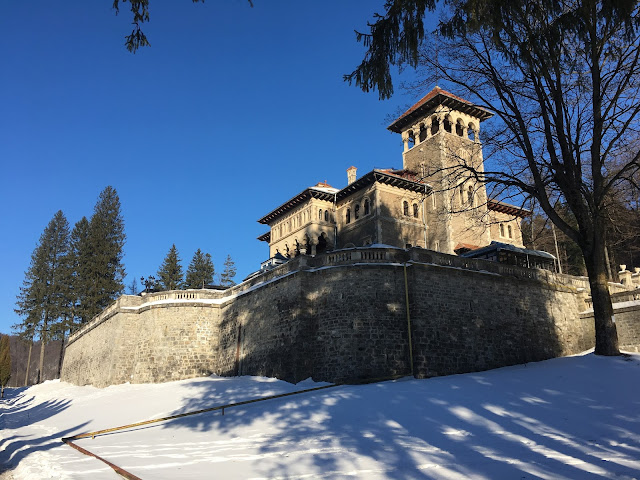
(441, 145)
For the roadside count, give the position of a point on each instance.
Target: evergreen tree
(106, 238)
(81, 260)
(133, 287)
(44, 296)
(200, 271)
(170, 272)
(5, 363)
(229, 272)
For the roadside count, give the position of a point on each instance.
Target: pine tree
(105, 271)
(5, 363)
(229, 272)
(81, 261)
(133, 287)
(170, 272)
(44, 296)
(200, 271)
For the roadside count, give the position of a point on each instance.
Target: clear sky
(230, 112)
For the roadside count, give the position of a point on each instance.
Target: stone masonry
(341, 316)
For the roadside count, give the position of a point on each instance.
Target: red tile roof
(430, 101)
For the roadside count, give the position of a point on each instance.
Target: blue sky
(231, 111)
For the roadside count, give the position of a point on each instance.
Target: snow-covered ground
(568, 418)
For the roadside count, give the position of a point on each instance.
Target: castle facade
(434, 202)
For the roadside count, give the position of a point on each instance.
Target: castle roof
(322, 191)
(397, 178)
(430, 101)
(507, 208)
(499, 246)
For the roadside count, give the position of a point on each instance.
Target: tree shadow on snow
(20, 410)
(522, 422)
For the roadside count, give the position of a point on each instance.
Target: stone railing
(358, 255)
(136, 301)
(361, 255)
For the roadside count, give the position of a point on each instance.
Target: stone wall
(341, 316)
(627, 317)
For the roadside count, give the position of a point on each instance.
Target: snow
(569, 418)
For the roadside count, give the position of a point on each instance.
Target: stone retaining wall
(338, 317)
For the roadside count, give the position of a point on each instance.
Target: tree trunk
(64, 336)
(26, 377)
(606, 332)
(43, 342)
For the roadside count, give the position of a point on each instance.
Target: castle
(430, 203)
(386, 276)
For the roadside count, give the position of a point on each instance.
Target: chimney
(351, 175)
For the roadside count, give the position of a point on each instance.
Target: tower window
(415, 210)
(320, 214)
(461, 195)
(435, 125)
(405, 208)
(447, 124)
(356, 211)
(510, 231)
(423, 133)
(326, 215)
(470, 195)
(502, 230)
(366, 206)
(348, 218)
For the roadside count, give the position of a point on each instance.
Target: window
(461, 195)
(405, 208)
(423, 133)
(502, 230)
(348, 215)
(356, 211)
(320, 214)
(510, 231)
(447, 124)
(326, 215)
(415, 210)
(435, 125)
(366, 206)
(470, 195)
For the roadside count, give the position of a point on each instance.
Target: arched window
(471, 132)
(348, 215)
(366, 206)
(461, 195)
(412, 140)
(423, 133)
(320, 214)
(415, 210)
(502, 230)
(435, 125)
(510, 231)
(356, 211)
(459, 128)
(405, 208)
(326, 215)
(447, 124)
(470, 195)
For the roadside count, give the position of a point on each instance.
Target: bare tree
(562, 78)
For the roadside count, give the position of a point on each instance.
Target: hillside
(568, 418)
